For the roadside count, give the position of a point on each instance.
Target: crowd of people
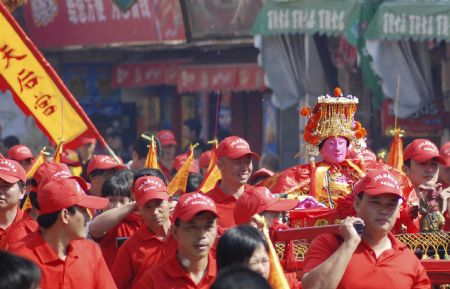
(98, 223)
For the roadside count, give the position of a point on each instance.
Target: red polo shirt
(139, 253)
(397, 267)
(225, 205)
(18, 231)
(165, 170)
(17, 218)
(171, 275)
(125, 228)
(84, 266)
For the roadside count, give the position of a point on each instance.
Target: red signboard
(145, 74)
(429, 121)
(55, 24)
(224, 77)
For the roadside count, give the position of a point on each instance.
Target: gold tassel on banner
(213, 173)
(179, 181)
(395, 155)
(151, 161)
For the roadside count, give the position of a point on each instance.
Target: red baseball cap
(147, 188)
(204, 159)
(70, 158)
(234, 147)
(378, 182)
(20, 152)
(62, 193)
(421, 150)
(445, 153)
(50, 171)
(191, 204)
(88, 140)
(180, 160)
(260, 174)
(11, 171)
(103, 162)
(258, 200)
(166, 137)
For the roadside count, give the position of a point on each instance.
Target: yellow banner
(37, 92)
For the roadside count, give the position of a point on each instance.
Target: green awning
(417, 20)
(330, 17)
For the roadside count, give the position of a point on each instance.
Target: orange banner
(37, 89)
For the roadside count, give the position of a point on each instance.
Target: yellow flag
(38, 161)
(277, 279)
(213, 174)
(37, 89)
(395, 155)
(58, 153)
(179, 181)
(152, 156)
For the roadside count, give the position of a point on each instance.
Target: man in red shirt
(192, 266)
(100, 167)
(421, 165)
(21, 154)
(151, 242)
(169, 148)
(65, 258)
(374, 259)
(234, 160)
(46, 172)
(12, 190)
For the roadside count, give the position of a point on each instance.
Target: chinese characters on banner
(37, 89)
(100, 22)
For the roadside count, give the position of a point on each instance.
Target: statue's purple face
(334, 150)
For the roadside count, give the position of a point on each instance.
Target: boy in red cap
(21, 154)
(192, 266)
(421, 165)
(234, 160)
(119, 219)
(152, 241)
(169, 147)
(260, 201)
(12, 190)
(373, 259)
(65, 258)
(100, 167)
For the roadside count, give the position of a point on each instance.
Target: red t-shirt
(84, 266)
(139, 253)
(18, 231)
(17, 218)
(171, 275)
(225, 205)
(125, 228)
(397, 267)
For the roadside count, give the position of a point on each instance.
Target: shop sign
(56, 24)
(145, 74)
(429, 121)
(220, 77)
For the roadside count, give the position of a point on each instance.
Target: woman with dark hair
(240, 277)
(18, 272)
(244, 245)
